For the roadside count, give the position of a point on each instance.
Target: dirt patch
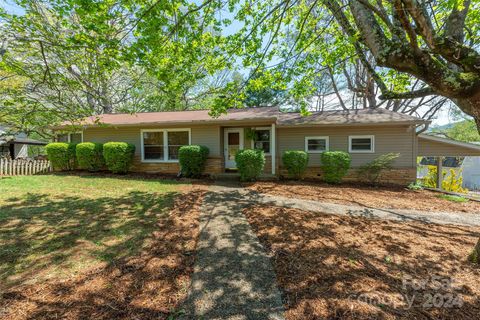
(332, 267)
(149, 285)
(391, 197)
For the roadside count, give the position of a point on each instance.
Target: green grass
(452, 198)
(59, 225)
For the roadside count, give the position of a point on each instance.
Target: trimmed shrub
(118, 156)
(61, 155)
(371, 171)
(89, 156)
(335, 165)
(192, 160)
(250, 163)
(296, 163)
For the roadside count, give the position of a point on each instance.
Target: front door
(233, 141)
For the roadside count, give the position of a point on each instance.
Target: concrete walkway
(233, 277)
(456, 218)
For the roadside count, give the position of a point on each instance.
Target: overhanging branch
(407, 95)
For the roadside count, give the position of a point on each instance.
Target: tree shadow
(105, 258)
(233, 276)
(328, 266)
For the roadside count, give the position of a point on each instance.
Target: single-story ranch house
(365, 134)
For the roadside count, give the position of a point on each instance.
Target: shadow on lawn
(325, 263)
(132, 176)
(145, 240)
(322, 265)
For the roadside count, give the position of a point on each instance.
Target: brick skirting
(213, 165)
(399, 176)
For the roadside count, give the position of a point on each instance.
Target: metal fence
(23, 167)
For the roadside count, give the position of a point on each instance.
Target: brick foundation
(399, 176)
(213, 166)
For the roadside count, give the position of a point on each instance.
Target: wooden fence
(22, 167)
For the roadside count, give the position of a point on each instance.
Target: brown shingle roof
(190, 116)
(346, 117)
(335, 117)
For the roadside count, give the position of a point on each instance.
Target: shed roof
(434, 146)
(18, 140)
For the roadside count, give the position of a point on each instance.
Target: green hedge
(118, 156)
(335, 165)
(90, 156)
(296, 163)
(250, 163)
(61, 155)
(192, 160)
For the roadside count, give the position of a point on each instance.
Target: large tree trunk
(475, 257)
(470, 106)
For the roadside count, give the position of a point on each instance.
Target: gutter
(425, 127)
(167, 124)
(362, 124)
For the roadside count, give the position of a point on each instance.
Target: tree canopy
(65, 59)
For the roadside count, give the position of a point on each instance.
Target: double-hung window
(73, 137)
(361, 144)
(163, 145)
(316, 144)
(262, 139)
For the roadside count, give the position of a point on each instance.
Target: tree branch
(423, 23)
(348, 29)
(456, 22)
(407, 95)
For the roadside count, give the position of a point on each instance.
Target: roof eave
(450, 141)
(363, 124)
(168, 123)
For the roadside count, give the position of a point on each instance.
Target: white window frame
(69, 140)
(165, 143)
(372, 145)
(252, 143)
(327, 143)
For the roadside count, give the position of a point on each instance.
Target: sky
(443, 117)
(10, 7)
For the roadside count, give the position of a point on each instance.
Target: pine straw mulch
(387, 197)
(150, 285)
(337, 267)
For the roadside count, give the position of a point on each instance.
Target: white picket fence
(23, 167)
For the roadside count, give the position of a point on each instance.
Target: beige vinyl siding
(431, 148)
(208, 136)
(387, 139)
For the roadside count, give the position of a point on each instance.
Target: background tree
(433, 44)
(262, 90)
(64, 60)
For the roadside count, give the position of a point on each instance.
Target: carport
(16, 147)
(438, 147)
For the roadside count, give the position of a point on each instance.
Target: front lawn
(95, 246)
(384, 197)
(340, 267)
